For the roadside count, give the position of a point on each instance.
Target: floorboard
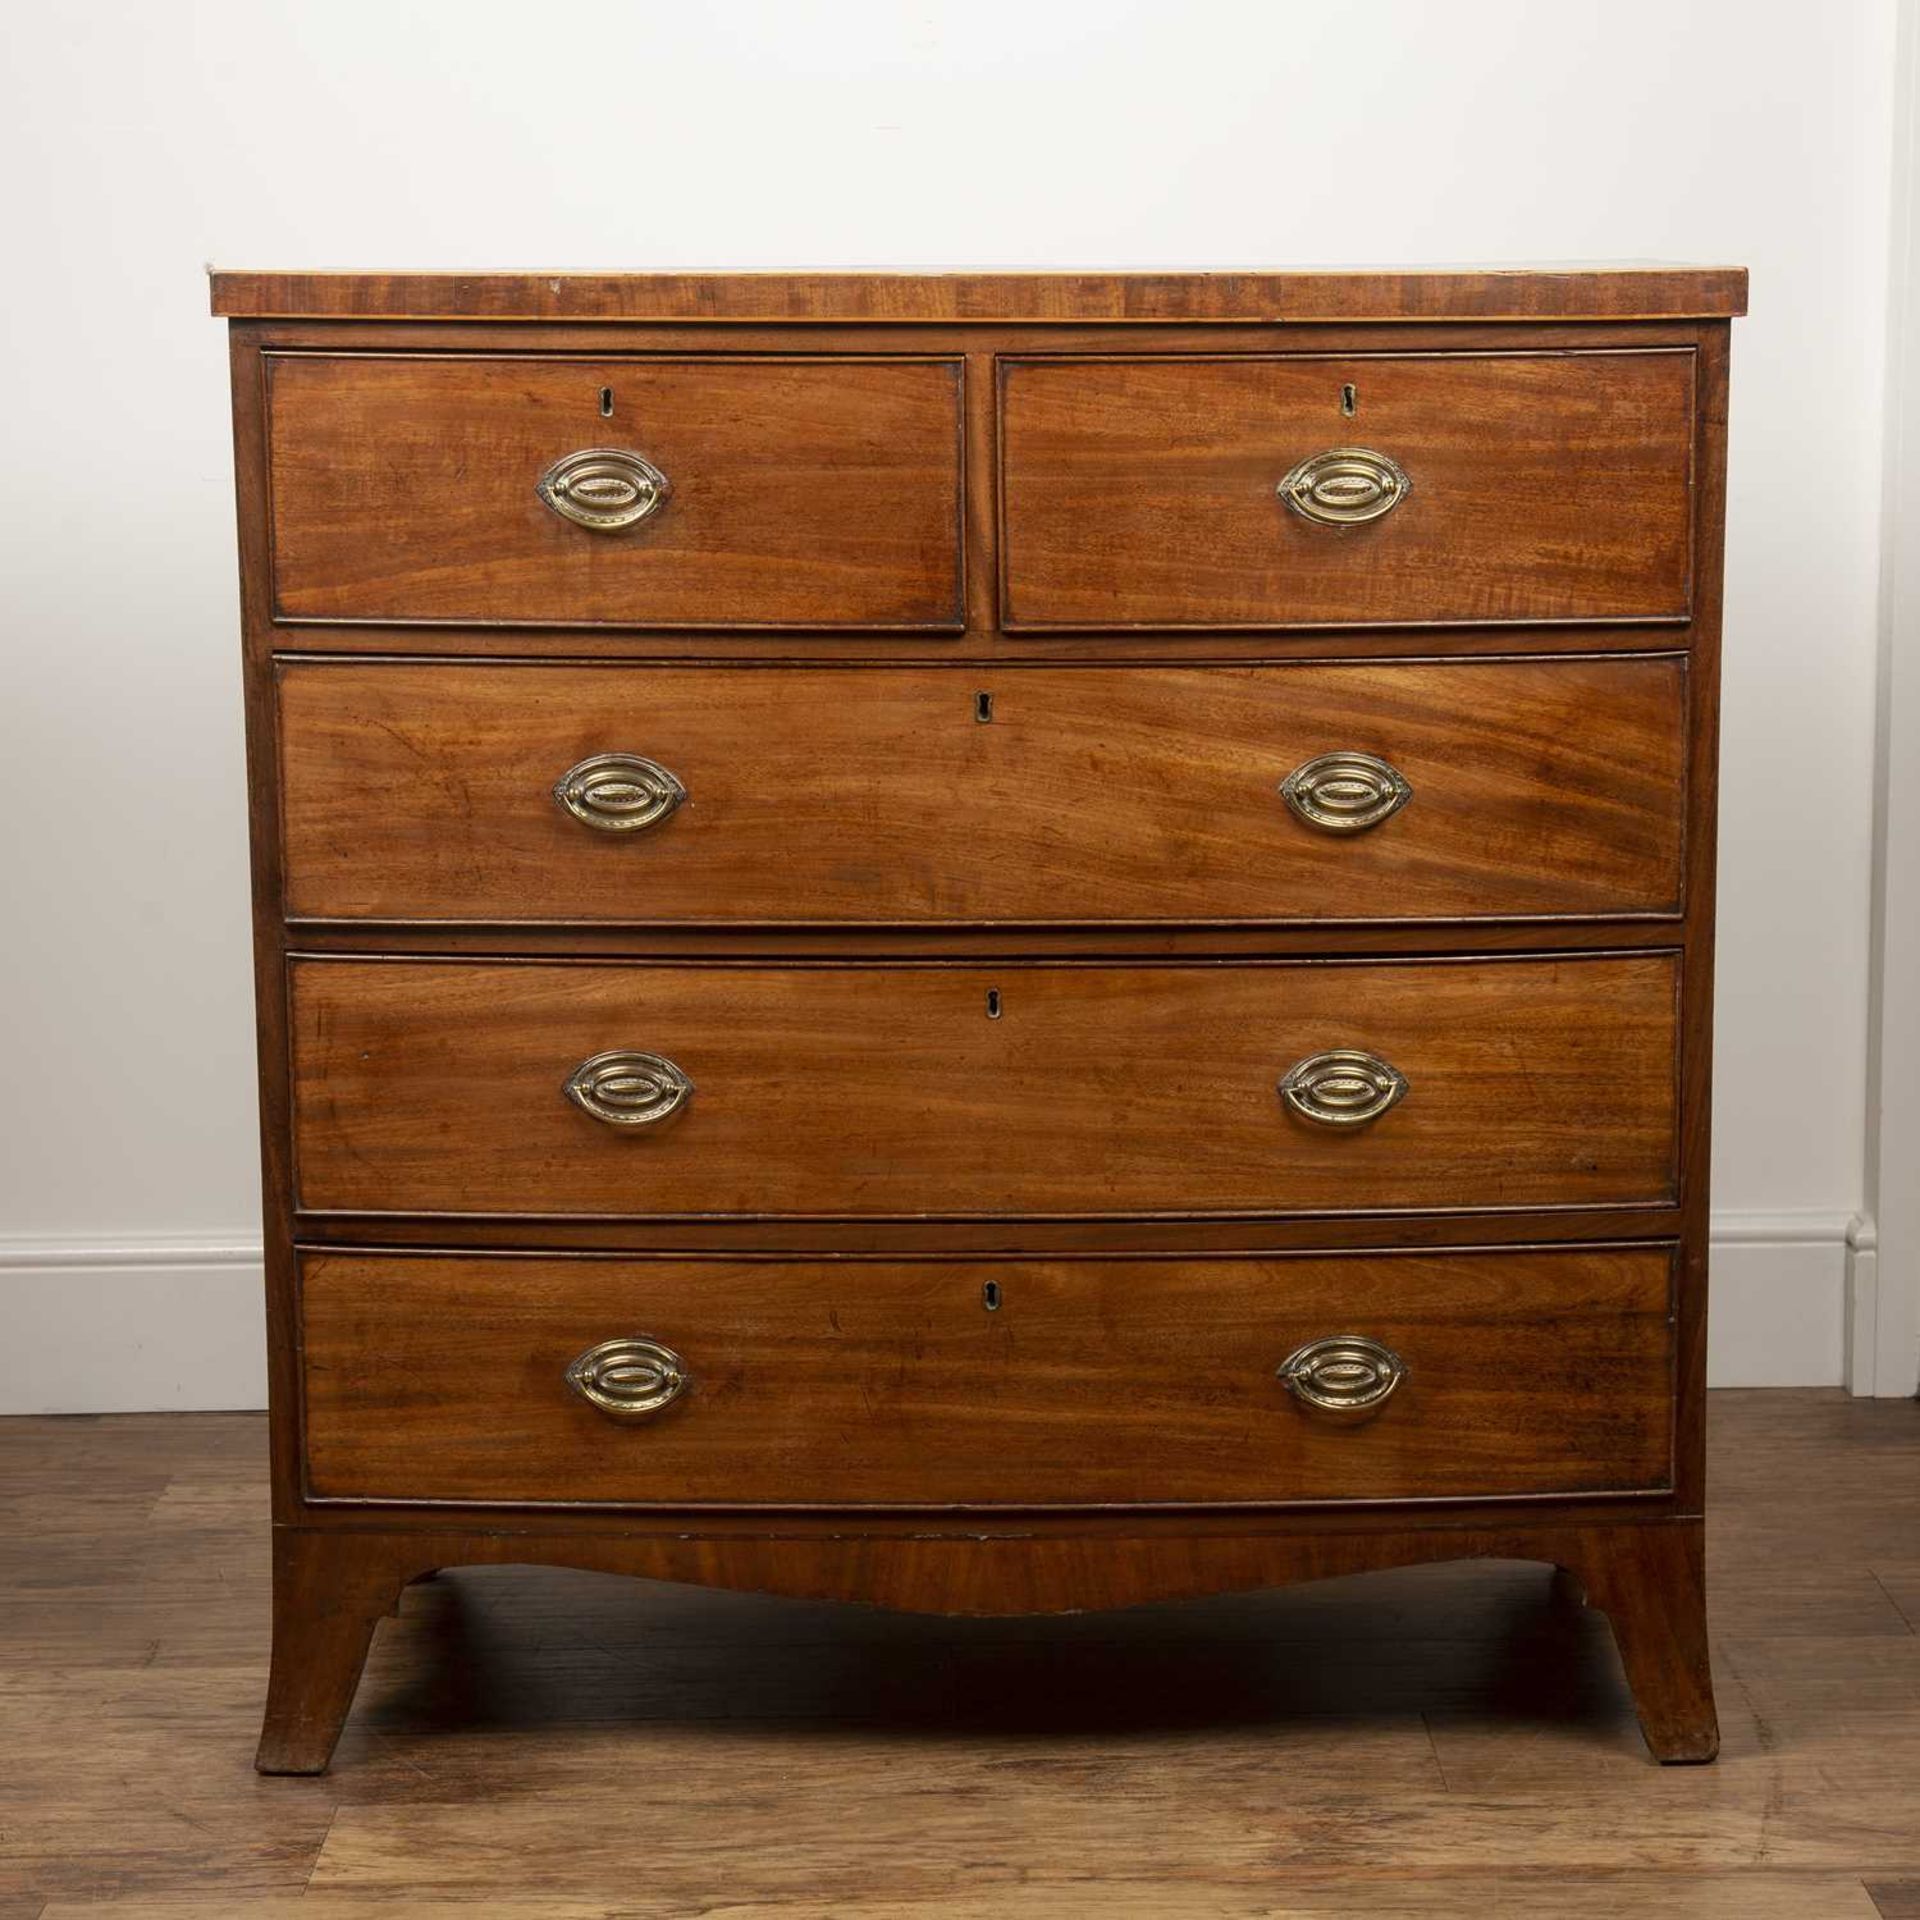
(1443, 1741)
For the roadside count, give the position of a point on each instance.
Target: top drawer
(755, 492)
(1369, 490)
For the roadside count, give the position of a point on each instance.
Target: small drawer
(926, 796)
(677, 1382)
(1365, 490)
(530, 491)
(940, 1089)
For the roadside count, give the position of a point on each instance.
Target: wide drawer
(935, 1382)
(1236, 492)
(773, 493)
(1347, 792)
(944, 1089)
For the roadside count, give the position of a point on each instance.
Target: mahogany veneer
(989, 943)
(810, 493)
(1549, 486)
(1096, 1088)
(1547, 788)
(885, 1382)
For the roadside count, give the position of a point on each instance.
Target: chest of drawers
(983, 943)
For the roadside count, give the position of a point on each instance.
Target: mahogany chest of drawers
(985, 943)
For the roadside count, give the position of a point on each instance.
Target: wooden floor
(1447, 1740)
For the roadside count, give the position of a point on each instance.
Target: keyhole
(606, 403)
(993, 1003)
(990, 1296)
(1349, 399)
(983, 708)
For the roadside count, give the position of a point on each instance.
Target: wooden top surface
(1641, 292)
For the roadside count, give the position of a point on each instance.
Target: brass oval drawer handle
(1344, 1373)
(628, 1089)
(1345, 792)
(603, 488)
(628, 1379)
(1342, 1087)
(619, 792)
(1345, 487)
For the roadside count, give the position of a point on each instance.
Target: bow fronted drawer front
(1377, 1376)
(1439, 489)
(528, 491)
(985, 1089)
(629, 795)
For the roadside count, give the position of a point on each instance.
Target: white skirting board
(162, 1324)
(1777, 1301)
(174, 1323)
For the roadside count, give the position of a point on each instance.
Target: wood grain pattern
(1544, 487)
(821, 1384)
(987, 940)
(326, 1606)
(1651, 1583)
(1697, 964)
(820, 493)
(1642, 292)
(883, 1090)
(982, 639)
(990, 1236)
(373, 1846)
(356, 1571)
(419, 792)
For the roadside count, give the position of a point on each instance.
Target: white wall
(1883, 1331)
(142, 138)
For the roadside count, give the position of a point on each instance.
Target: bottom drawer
(1012, 1382)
